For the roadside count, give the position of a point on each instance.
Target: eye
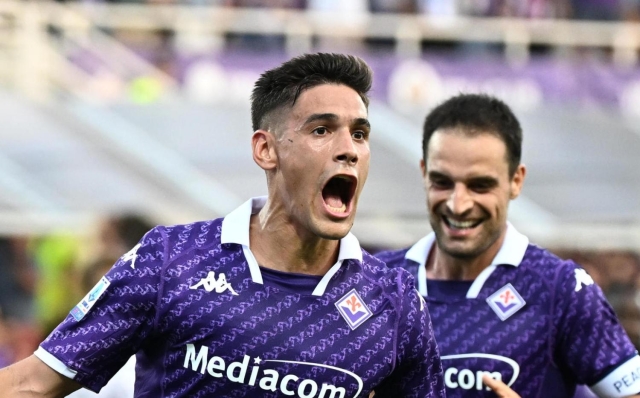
(359, 135)
(481, 187)
(439, 183)
(320, 131)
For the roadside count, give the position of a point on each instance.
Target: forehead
(329, 98)
(455, 151)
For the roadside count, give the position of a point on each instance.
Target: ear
(423, 167)
(264, 152)
(517, 181)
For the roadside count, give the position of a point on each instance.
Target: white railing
(24, 26)
(35, 61)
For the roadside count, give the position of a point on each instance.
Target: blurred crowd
(42, 278)
(577, 9)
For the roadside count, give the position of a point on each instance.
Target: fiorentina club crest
(506, 301)
(353, 309)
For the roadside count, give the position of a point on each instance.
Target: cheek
(364, 156)
(497, 205)
(435, 198)
(364, 168)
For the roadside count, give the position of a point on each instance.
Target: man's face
(468, 190)
(322, 149)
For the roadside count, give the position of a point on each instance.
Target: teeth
(460, 224)
(340, 209)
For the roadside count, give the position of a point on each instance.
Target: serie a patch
(353, 309)
(506, 301)
(83, 307)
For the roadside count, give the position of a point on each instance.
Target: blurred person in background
(597, 10)
(120, 233)
(18, 281)
(393, 6)
(6, 353)
(56, 258)
(503, 308)
(264, 287)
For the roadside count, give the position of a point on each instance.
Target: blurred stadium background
(119, 115)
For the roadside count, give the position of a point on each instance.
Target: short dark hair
(477, 113)
(283, 85)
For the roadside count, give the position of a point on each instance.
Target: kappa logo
(132, 255)
(353, 309)
(506, 301)
(582, 278)
(210, 283)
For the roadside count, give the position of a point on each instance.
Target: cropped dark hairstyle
(281, 86)
(477, 114)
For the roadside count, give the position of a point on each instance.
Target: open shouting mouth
(338, 194)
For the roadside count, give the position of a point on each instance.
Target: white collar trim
(235, 229)
(511, 253)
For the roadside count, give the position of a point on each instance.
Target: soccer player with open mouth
(275, 299)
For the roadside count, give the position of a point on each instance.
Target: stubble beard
(449, 246)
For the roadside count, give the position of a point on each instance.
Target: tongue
(334, 200)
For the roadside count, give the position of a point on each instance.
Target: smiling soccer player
(500, 305)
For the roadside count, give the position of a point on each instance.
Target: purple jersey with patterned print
(534, 321)
(207, 321)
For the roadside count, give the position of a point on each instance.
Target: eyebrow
(484, 180)
(481, 179)
(362, 122)
(321, 116)
(436, 174)
(333, 117)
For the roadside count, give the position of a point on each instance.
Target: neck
(276, 243)
(443, 266)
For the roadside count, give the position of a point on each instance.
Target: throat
(281, 248)
(440, 266)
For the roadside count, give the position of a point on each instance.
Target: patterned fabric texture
(565, 334)
(201, 327)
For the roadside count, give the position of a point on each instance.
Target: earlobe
(263, 149)
(517, 181)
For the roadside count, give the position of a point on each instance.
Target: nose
(459, 201)
(346, 151)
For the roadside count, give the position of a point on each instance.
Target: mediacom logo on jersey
(458, 374)
(268, 379)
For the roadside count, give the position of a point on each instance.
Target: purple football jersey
(207, 321)
(532, 320)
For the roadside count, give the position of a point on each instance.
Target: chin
(332, 230)
(458, 249)
(462, 253)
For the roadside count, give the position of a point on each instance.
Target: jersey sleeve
(417, 372)
(591, 342)
(112, 321)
